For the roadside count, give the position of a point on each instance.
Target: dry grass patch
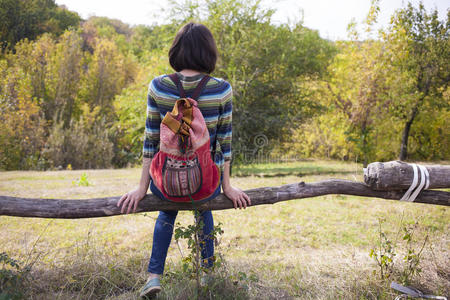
(316, 248)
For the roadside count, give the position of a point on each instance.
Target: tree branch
(103, 207)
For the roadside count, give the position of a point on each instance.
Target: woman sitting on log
(193, 56)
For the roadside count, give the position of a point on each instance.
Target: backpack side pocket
(181, 178)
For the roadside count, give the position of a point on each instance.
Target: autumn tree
(418, 49)
(21, 125)
(65, 70)
(108, 71)
(354, 89)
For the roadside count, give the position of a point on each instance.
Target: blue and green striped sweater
(215, 103)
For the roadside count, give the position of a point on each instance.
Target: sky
(329, 17)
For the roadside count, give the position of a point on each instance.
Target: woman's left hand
(130, 200)
(237, 196)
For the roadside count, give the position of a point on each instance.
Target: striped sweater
(215, 103)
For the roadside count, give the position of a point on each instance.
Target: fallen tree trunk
(398, 175)
(102, 207)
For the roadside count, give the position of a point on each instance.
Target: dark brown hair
(193, 48)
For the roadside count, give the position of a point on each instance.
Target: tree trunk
(405, 136)
(103, 207)
(397, 175)
(364, 133)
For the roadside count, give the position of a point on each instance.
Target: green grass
(315, 248)
(297, 168)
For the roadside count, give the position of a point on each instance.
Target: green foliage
(30, 18)
(418, 52)
(412, 258)
(85, 144)
(83, 181)
(22, 133)
(350, 98)
(386, 250)
(146, 42)
(192, 264)
(266, 78)
(131, 108)
(108, 72)
(384, 254)
(64, 68)
(381, 93)
(11, 277)
(56, 96)
(326, 135)
(82, 87)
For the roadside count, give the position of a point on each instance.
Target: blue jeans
(163, 234)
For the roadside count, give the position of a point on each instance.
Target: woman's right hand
(131, 199)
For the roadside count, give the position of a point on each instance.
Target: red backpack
(183, 170)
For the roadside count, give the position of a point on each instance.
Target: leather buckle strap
(183, 104)
(175, 125)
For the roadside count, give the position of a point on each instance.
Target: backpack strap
(177, 82)
(198, 90)
(200, 87)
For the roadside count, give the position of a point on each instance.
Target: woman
(192, 55)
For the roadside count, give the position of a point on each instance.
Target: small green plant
(192, 263)
(11, 276)
(83, 181)
(413, 256)
(383, 253)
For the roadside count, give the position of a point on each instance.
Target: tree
(108, 71)
(264, 64)
(65, 70)
(356, 90)
(30, 18)
(418, 50)
(377, 88)
(355, 86)
(21, 126)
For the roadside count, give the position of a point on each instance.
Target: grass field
(316, 248)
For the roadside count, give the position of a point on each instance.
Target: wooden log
(102, 207)
(398, 175)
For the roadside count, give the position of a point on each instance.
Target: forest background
(73, 91)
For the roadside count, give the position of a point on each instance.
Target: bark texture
(397, 175)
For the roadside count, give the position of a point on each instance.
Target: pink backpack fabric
(183, 170)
